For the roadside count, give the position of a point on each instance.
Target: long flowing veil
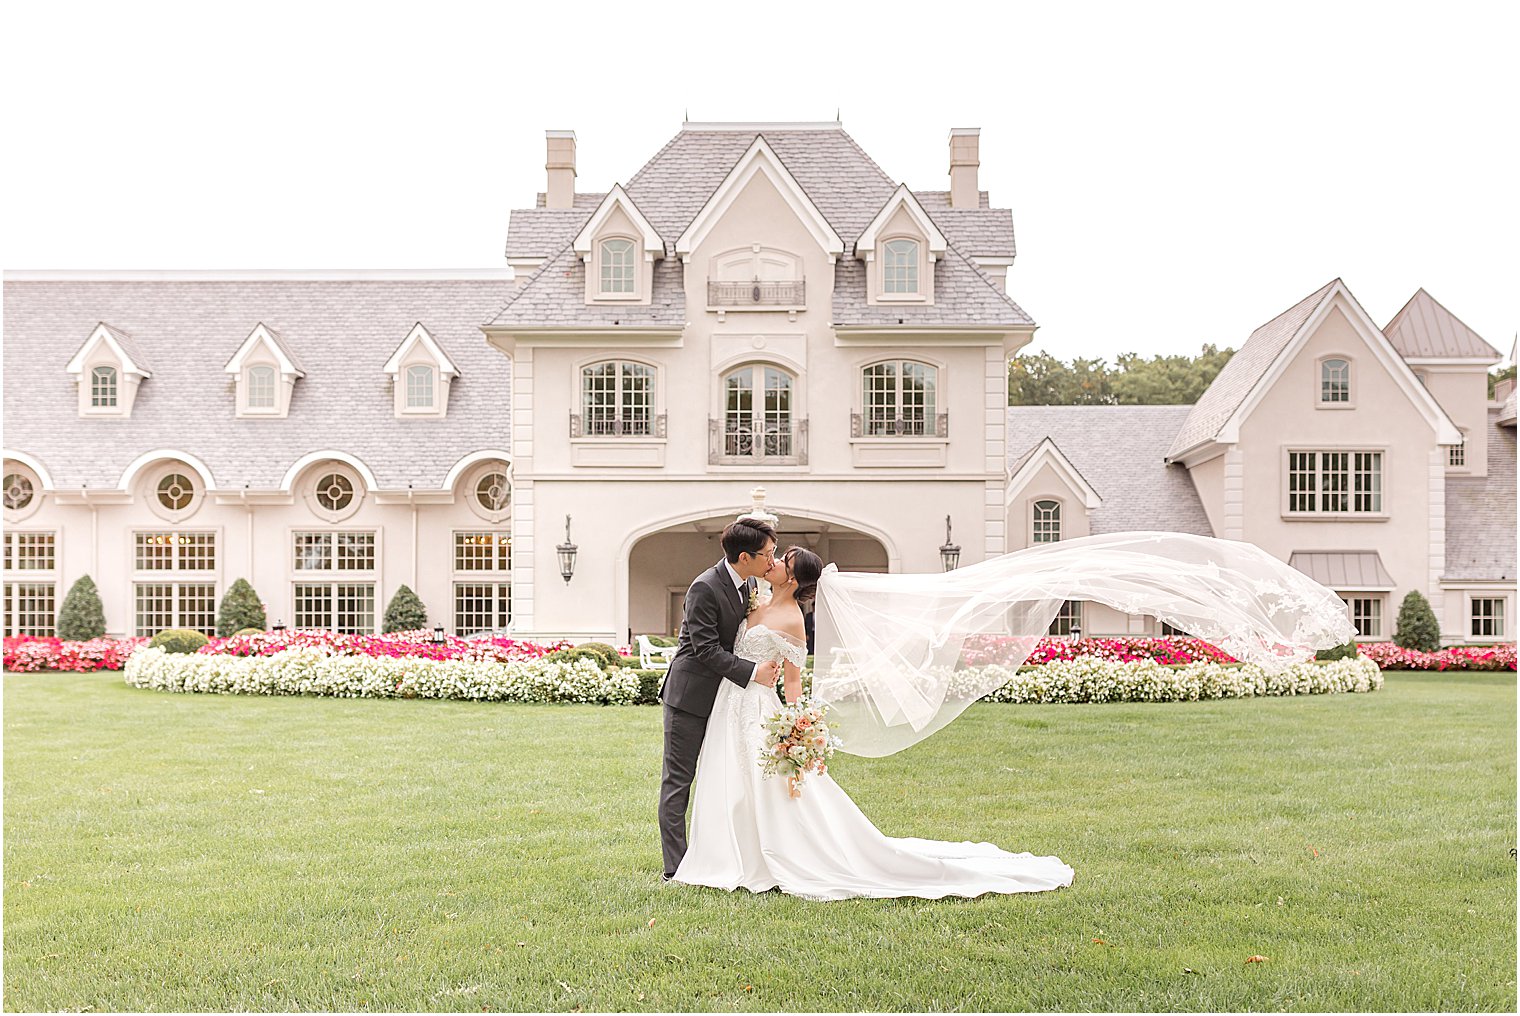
(899, 656)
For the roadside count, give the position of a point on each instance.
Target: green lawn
(202, 852)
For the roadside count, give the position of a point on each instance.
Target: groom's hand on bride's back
(767, 673)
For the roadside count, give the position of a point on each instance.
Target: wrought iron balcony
(737, 443)
(617, 426)
(788, 293)
(920, 425)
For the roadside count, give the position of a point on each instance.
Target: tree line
(1040, 379)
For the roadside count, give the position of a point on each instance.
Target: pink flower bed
(984, 650)
(28, 653)
(1392, 657)
(401, 643)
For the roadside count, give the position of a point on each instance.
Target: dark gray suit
(704, 657)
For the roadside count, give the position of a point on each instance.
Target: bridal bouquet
(797, 742)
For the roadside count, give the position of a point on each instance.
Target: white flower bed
(1094, 680)
(313, 672)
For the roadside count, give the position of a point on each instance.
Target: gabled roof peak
(1425, 330)
(617, 198)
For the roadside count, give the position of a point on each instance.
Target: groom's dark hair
(746, 536)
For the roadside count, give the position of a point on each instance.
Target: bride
(748, 831)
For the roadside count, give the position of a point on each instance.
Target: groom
(715, 604)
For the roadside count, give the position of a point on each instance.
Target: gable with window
(900, 247)
(108, 369)
(421, 373)
(264, 372)
(618, 247)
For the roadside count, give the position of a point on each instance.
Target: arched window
(617, 266)
(899, 397)
(617, 398)
(103, 387)
(899, 268)
(757, 413)
(1334, 380)
(419, 386)
(261, 387)
(1047, 522)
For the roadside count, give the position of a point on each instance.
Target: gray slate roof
(672, 187)
(1241, 374)
(1119, 450)
(128, 345)
(1425, 328)
(1480, 513)
(343, 331)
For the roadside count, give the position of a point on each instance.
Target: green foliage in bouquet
(82, 617)
(405, 612)
(240, 608)
(178, 640)
(1417, 627)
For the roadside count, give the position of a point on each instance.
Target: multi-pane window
(1169, 630)
(899, 267)
(617, 397)
(176, 551)
(261, 387)
(1488, 617)
(334, 551)
(1456, 455)
(30, 608)
(18, 491)
(30, 551)
(103, 387)
(482, 551)
(1366, 615)
(160, 605)
(419, 387)
(481, 606)
(1047, 522)
(175, 491)
(493, 492)
(336, 606)
(1068, 620)
(759, 427)
(1335, 381)
(899, 398)
(335, 492)
(1335, 482)
(617, 266)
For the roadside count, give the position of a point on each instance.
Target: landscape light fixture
(566, 553)
(950, 553)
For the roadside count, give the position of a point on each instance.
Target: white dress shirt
(740, 583)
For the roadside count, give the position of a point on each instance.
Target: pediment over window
(264, 370)
(617, 200)
(420, 373)
(618, 246)
(1047, 455)
(108, 368)
(888, 221)
(900, 247)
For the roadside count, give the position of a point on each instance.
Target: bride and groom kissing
(748, 830)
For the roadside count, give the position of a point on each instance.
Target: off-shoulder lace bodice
(759, 644)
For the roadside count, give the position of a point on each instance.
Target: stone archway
(662, 564)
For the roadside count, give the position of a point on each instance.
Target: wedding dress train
(748, 831)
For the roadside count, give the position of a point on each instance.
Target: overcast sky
(1177, 174)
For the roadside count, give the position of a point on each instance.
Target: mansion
(553, 447)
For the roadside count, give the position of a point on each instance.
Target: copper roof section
(1425, 329)
(1343, 569)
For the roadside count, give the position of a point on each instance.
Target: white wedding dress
(746, 830)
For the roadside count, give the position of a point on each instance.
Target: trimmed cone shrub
(81, 617)
(178, 640)
(240, 608)
(405, 612)
(1417, 627)
(610, 657)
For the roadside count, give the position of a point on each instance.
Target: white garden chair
(653, 657)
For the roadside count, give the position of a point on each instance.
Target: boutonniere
(754, 600)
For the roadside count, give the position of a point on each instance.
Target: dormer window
(1334, 381)
(899, 268)
(108, 369)
(261, 389)
(617, 266)
(103, 387)
(420, 373)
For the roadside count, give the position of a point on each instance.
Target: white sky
(1177, 174)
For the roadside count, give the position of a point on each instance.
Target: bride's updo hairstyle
(806, 568)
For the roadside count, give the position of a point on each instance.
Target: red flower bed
(1389, 656)
(985, 649)
(27, 653)
(417, 643)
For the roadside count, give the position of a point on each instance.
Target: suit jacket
(705, 654)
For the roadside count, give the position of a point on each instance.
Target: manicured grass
(203, 852)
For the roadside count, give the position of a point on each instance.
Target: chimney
(965, 157)
(1503, 388)
(560, 192)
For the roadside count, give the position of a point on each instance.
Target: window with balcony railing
(617, 400)
(758, 424)
(898, 398)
